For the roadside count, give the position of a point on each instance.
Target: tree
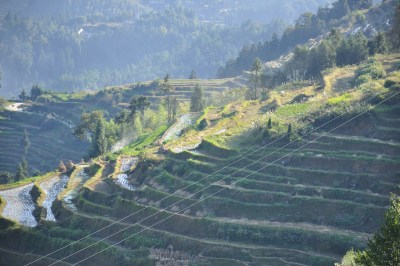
(394, 33)
(289, 133)
(322, 57)
(22, 96)
(99, 140)
(193, 75)
(137, 104)
(5, 177)
(379, 44)
(167, 88)
(175, 106)
(297, 68)
(122, 117)
(26, 142)
(197, 99)
(36, 91)
(88, 124)
(143, 103)
(256, 77)
(22, 171)
(384, 247)
(269, 125)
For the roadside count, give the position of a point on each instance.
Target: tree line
(307, 26)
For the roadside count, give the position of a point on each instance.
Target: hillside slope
(231, 189)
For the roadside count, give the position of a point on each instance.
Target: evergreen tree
(99, 141)
(5, 177)
(36, 91)
(26, 142)
(256, 78)
(269, 125)
(88, 124)
(122, 117)
(19, 175)
(22, 170)
(167, 89)
(197, 99)
(174, 107)
(394, 33)
(23, 95)
(384, 247)
(289, 133)
(379, 44)
(143, 103)
(193, 75)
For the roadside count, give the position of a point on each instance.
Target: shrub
(389, 83)
(362, 80)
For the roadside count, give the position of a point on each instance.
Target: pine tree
(193, 75)
(22, 171)
(23, 95)
(269, 125)
(99, 141)
(143, 103)
(256, 78)
(197, 99)
(26, 142)
(379, 44)
(384, 247)
(394, 33)
(174, 107)
(289, 133)
(167, 89)
(19, 175)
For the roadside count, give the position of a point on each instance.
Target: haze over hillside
(76, 45)
(289, 156)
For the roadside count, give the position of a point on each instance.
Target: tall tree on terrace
(99, 140)
(137, 104)
(26, 142)
(197, 99)
(394, 33)
(256, 78)
(143, 104)
(166, 88)
(88, 124)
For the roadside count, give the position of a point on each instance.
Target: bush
(203, 124)
(362, 80)
(374, 69)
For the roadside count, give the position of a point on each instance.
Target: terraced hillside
(233, 189)
(51, 140)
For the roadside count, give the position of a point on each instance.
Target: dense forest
(307, 26)
(75, 45)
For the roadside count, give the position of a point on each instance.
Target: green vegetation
(197, 99)
(297, 174)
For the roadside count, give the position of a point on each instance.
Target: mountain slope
(235, 190)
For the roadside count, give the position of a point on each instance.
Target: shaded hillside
(51, 141)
